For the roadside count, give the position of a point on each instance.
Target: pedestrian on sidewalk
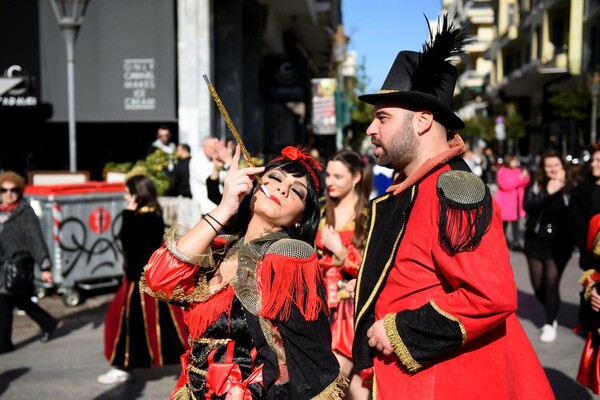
(547, 246)
(512, 181)
(20, 233)
(139, 330)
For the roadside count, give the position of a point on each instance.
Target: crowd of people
(312, 285)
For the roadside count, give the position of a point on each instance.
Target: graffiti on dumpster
(79, 246)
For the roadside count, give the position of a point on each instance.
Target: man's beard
(402, 147)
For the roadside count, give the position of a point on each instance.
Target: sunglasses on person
(12, 190)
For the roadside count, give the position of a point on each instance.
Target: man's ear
(423, 121)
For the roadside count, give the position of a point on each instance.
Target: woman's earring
(296, 225)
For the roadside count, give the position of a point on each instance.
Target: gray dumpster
(80, 223)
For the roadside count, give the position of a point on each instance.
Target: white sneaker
(115, 375)
(548, 334)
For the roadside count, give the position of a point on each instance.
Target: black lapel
(386, 226)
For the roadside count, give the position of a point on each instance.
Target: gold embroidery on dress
(588, 284)
(200, 293)
(335, 390)
(275, 342)
(172, 236)
(181, 394)
(145, 210)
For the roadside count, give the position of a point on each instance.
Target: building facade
(540, 56)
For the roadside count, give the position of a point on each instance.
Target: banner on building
(323, 106)
(285, 79)
(125, 62)
(19, 58)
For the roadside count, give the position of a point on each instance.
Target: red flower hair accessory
(297, 154)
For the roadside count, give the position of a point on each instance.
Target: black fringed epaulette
(465, 211)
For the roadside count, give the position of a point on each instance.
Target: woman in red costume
(254, 302)
(339, 245)
(140, 331)
(587, 195)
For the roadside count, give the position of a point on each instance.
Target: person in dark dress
(547, 246)
(140, 331)
(180, 177)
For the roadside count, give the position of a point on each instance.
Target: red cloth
(593, 231)
(119, 313)
(9, 207)
(497, 360)
(342, 311)
(511, 189)
(589, 366)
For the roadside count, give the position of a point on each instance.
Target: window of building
(511, 14)
(538, 43)
(557, 35)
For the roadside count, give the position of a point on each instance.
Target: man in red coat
(435, 298)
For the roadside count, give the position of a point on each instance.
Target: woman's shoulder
(289, 247)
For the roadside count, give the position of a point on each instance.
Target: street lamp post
(595, 92)
(69, 15)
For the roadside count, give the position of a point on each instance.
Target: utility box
(81, 225)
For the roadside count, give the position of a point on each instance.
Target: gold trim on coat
(389, 324)
(359, 313)
(451, 317)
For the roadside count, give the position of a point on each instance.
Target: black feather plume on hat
(428, 73)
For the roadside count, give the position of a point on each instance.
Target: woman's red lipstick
(275, 199)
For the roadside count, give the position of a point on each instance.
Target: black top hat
(426, 80)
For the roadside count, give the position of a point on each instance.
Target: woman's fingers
(235, 161)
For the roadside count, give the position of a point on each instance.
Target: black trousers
(22, 300)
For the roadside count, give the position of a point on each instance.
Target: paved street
(66, 367)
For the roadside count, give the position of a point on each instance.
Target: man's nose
(371, 129)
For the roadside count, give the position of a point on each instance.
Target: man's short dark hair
(186, 147)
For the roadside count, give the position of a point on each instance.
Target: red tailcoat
(450, 318)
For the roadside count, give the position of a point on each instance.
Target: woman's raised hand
(237, 184)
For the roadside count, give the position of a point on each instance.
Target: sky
(379, 29)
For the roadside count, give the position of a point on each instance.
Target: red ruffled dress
(337, 274)
(589, 365)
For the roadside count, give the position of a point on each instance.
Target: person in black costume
(547, 246)
(585, 203)
(180, 177)
(140, 331)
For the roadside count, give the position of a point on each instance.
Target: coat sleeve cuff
(389, 324)
(422, 336)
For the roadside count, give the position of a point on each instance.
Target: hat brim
(441, 113)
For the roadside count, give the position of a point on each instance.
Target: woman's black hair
(145, 191)
(310, 218)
